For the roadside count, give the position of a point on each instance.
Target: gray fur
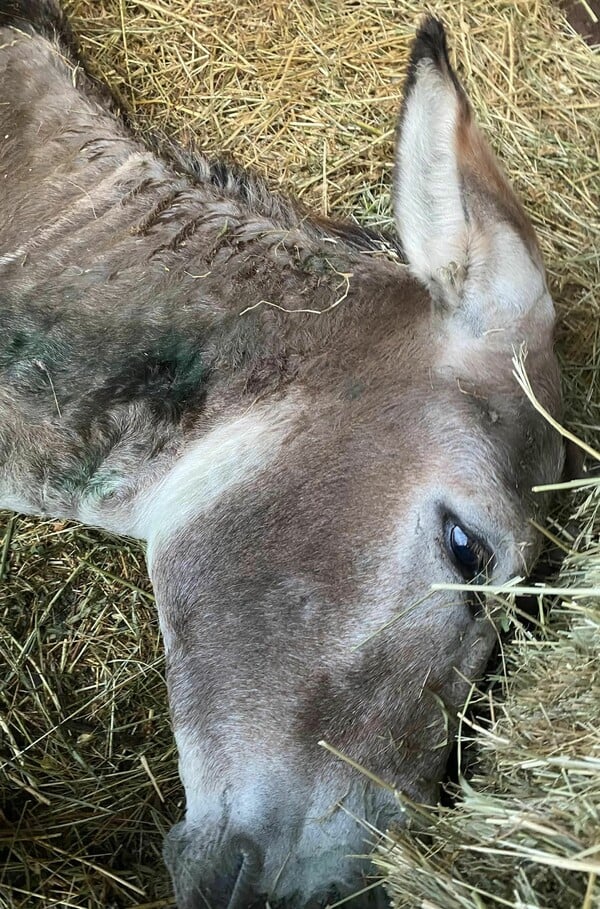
(157, 308)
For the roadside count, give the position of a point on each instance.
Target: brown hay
(307, 93)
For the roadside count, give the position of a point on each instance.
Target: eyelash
(474, 563)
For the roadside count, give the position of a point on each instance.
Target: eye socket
(469, 554)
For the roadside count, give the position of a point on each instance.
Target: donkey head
(296, 604)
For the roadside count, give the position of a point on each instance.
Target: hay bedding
(308, 92)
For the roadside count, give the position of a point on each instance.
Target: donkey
(307, 423)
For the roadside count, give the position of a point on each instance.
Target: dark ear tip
(430, 43)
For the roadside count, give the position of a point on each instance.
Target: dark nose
(234, 883)
(370, 898)
(228, 874)
(229, 884)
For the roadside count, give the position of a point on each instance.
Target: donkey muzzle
(227, 880)
(227, 875)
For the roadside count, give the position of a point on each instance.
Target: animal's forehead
(411, 372)
(449, 432)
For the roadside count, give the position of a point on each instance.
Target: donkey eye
(468, 552)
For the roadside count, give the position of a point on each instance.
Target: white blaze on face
(227, 456)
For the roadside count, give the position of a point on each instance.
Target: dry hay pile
(308, 93)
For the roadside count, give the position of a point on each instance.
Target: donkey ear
(463, 230)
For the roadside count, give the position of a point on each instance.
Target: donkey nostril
(225, 875)
(248, 865)
(233, 886)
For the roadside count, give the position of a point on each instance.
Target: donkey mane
(251, 189)
(236, 182)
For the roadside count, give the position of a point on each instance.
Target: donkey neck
(132, 335)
